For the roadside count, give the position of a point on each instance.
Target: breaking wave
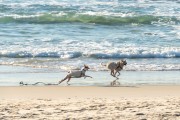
(86, 18)
(170, 53)
(25, 54)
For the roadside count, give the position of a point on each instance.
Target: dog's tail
(103, 64)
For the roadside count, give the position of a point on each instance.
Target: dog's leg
(87, 76)
(112, 73)
(115, 74)
(61, 81)
(115, 81)
(64, 79)
(118, 73)
(68, 80)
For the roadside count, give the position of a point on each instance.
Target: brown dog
(115, 67)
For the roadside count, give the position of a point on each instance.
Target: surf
(72, 17)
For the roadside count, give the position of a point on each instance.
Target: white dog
(76, 74)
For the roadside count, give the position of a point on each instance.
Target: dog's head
(86, 67)
(124, 62)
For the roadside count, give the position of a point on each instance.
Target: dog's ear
(86, 66)
(123, 60)
(120, 61)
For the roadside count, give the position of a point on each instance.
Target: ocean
(42, 40)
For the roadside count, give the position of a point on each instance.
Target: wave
(157, 53)
(65, 60)
(25, 54)
(169, 54)
(86, 18)
(94, 65)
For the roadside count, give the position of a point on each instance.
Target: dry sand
(124, 103)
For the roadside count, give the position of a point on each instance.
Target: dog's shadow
(130, 86)
(116, 83)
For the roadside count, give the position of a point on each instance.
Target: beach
(43, 41)
(122, 102)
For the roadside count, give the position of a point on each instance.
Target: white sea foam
(55, 58)
(107, 13)
(103, 52)
(146, 65)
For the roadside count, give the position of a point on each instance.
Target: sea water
(46, 38)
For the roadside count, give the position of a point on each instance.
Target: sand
(125, 103)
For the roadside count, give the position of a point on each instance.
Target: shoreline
(100, 78)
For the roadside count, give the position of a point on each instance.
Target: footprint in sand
(140, 114)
